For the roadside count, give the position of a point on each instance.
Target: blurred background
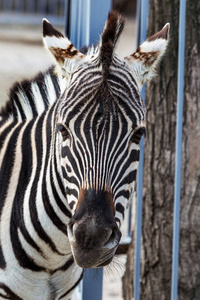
(21, 49)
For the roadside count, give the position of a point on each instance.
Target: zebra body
(28, 254)
(69, 152)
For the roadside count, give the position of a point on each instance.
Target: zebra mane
(30, 98)
(111, 32)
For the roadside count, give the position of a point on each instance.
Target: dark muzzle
(93, 232)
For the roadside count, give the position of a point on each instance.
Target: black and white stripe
(33, 208)
(102, 120)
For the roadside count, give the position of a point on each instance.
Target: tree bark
(159, 159)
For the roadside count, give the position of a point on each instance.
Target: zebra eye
(63, 131)
(136, 137)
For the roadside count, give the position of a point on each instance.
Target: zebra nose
(92, 236)
(113, 238)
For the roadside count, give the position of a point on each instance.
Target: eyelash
(136, 137)
(63, 130)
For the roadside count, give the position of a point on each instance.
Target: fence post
(177, 188)
(142, 18)
(92, 284)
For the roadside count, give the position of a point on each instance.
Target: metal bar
(138, 22)
(73, 23)
(143, 29)
(30, 6)
(78, 20)
(7, 5)
(85, 26)
(32, 19)
(98, 15)
(19, 6)
(67, 17)
(92, 284)
(87, 29)
(177, 188)
(53, 7)
(41, 6)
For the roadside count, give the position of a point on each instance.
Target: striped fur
(34, 212)
(113, 120)
(68, 145)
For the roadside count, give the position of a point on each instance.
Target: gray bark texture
(159, 161)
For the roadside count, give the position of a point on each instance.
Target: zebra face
(101, 119)
(100, 156)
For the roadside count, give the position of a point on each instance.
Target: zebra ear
(64, 52)
(112, 30)
(145, 59)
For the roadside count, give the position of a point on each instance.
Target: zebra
(69, 152)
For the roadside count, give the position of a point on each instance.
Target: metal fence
(30, 12)
(142, 17)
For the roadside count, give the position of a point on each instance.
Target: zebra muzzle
(93, 233)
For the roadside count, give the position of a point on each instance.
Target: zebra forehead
(117, 97)
(109, 114)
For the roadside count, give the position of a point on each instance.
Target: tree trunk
(159, 158)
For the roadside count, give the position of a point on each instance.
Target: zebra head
(101, 119)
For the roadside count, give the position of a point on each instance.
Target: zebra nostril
(113, 239)
(70, 230)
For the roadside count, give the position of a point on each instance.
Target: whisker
(116, 268)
